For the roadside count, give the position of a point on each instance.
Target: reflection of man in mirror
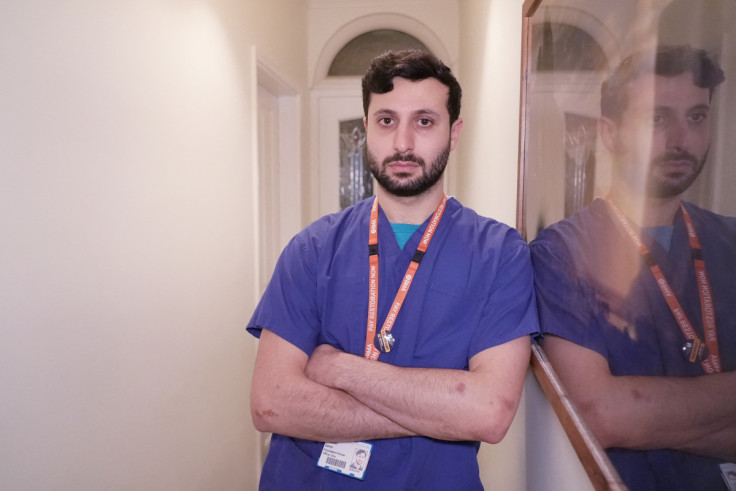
(637, 292)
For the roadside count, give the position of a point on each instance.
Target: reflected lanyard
(384, 340)
(711, 364)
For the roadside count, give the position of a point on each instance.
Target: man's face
(409, 136)
(663, 137)
(359, 458)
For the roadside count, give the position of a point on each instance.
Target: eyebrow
(696, 107)
(418, 112)
(699, 107)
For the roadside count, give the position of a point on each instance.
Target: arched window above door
(563, 47)
(355, 57)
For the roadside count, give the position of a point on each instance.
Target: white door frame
(337, 99)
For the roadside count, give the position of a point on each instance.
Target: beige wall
(127, 239)
(490, 47)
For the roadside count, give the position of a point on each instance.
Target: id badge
(728, 471)
(349, 459)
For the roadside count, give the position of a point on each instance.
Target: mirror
(617, 176)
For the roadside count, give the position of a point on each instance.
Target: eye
(697, 117)
(658, 119)
(385, 121)
(425, 122)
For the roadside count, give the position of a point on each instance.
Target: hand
(321, 366)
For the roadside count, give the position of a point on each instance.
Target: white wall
(127, 239)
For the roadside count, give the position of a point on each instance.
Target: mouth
(676, 166)
(675, 163)
(403, 164)
(402, 169)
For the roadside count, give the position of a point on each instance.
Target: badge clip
(385, 341)
(694, 350)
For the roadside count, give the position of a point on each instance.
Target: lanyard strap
(371, 352)
(712, 364)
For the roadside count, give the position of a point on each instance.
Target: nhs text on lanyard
(384, 341)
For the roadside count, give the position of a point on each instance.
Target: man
(452, 360)
(620, 285)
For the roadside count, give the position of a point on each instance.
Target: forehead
(412, 96)
(652, 91)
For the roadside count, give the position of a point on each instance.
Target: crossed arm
(336, 396)
(694, 414)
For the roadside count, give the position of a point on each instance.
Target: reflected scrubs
(594, 289)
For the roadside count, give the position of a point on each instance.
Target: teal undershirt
(403, 231)
(663, 235)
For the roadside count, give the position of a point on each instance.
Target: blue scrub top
(473, 291)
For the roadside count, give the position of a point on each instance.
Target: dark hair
(667, 61)
(411, 64)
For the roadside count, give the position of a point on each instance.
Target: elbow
(260, 417)
(493, 434)
(607, 432)
(263, 412)
(259, 422)
(494, 425)
(606, 437)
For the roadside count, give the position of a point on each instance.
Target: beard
(401, 184)
(668, 186)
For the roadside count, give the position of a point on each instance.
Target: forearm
(313, 412)
(438, 403)
(647, 412)
(667, 412)
(285, 401)
(720, 444)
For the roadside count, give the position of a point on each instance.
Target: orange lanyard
(694, 348)
(385, 340)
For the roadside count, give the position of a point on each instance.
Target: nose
(678, 135)
(404, 138)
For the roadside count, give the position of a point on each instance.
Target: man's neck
(410, 209)
(646, 211)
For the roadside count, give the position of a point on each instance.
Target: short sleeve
(510, 309)
(288, 307)
(565, 299)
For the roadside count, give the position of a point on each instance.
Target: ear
(455, 129)
(365, 122)
(607, 130)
